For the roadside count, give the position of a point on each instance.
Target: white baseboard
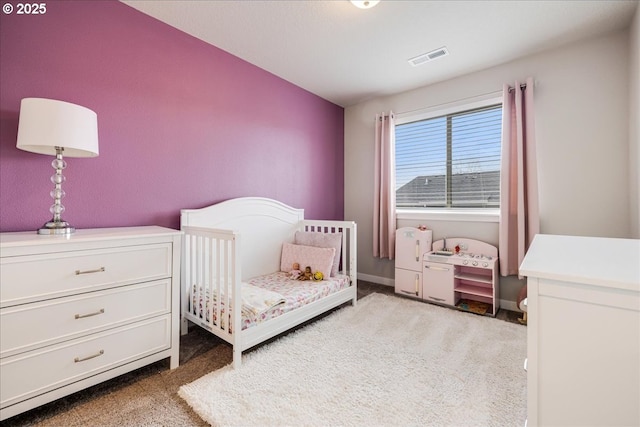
(377, 279)
(509, 305)
(505, 304)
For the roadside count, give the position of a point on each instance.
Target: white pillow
(322, 240)
(319, 259)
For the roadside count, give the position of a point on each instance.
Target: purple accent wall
(182, 124)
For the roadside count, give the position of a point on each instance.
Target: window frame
(448, 214)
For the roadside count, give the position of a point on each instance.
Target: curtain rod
(471, 98)
(522, 86)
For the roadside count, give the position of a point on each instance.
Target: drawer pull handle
(82, 359)
(430, 267)
(409, 293)
(436, 299)
(97, 270)
(82, 316)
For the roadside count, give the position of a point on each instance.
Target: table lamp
(57, 128)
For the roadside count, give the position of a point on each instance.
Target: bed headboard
(263, 225)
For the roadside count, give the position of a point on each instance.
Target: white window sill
(468, 215)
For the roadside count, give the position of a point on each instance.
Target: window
(450, 161)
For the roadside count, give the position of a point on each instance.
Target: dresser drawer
(26, 327)
(38, 277)
(34, 373)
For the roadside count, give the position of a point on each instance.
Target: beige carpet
(148, 396)
(387, 361)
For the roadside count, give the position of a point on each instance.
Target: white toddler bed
(234, 250)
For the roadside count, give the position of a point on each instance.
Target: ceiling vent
(429, 56)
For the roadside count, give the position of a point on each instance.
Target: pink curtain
(519, 213)
(384, 205)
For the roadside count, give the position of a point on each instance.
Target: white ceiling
(347, 55)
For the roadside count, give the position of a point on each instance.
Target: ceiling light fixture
(365, 4)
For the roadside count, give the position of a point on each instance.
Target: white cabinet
(438, 282)
(78, 310)
(583, 334)
(411, 244)
(408, 282)
(464, 274)
(466, 270)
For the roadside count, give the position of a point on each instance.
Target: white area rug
(388, 361)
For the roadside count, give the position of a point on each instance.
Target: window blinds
(450, 161)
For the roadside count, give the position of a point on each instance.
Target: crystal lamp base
(56, 227)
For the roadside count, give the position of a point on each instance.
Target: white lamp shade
(47, 123)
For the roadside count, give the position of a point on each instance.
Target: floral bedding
(283, 294)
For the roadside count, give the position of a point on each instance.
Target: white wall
(634, 125)
(582, 126)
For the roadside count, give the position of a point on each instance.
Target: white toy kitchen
(456, 272)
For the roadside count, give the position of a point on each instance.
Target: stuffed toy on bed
(295, 273)
(307, 275)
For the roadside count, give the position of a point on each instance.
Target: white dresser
(583, 343)
(78, 310)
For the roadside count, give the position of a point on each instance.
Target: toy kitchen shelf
(473, 286)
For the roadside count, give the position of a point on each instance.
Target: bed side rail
(211, 272)
(349, 230)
